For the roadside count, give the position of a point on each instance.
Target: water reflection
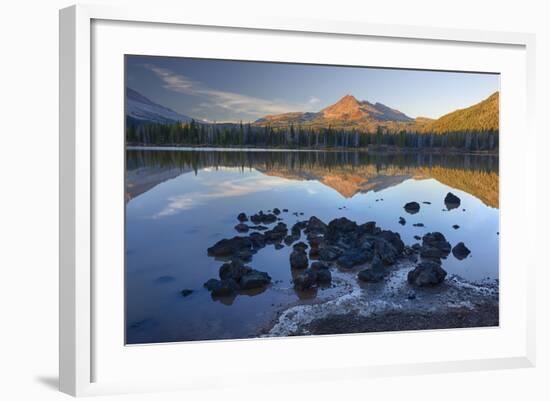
(181, 202)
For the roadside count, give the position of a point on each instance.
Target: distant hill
(483, 116)
(346, 113)
(141, 109)
(351, 114)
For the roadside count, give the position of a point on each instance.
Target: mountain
(348, 112)
(483, 116)
(141, 109)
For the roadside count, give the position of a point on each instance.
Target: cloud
(313, 100)
(216, 190)
(230, 101)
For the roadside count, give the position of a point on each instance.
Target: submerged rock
(254, 279)
(186, 292)
(452, 201)
(426, 274)
(460, 251)
(222, 288)
(412, 207)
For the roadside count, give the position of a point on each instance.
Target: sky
(225, 90)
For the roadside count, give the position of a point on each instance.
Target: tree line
(298, 137)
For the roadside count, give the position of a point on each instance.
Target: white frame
(76, 208)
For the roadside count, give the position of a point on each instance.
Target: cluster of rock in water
(341, 242)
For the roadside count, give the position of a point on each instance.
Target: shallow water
(180, 202)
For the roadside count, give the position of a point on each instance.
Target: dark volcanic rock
(262, 218)
(456, 226)
(233, 270)
(278, 245)
(417, 237)
(222, 288)
(426, 273)
(438, 241)
(230, 246)
(412, 207)
(354, 257)
(254, 279)
(418, 224)
(315, 226)
(452, 201)
(242, 228)
(276, 211)
(298, 259)
(402, 221)
(300, 246)
(257, 240)
(329, 253)
(305, 280)
(374, 273)
(242, 217)
(323, 273)
(460, 251)
(277, 234)
(290, 239)
(186, 292)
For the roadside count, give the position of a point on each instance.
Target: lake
(179, 202)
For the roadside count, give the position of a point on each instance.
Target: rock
(417, 237)
(186, 292)
(254, 279)
(329, 253)
(242, 228)
(368, 228)
(411, 295)
(374, 273)
(412, 207)
(261, 218)
(437, 240)
(242, 217)
(278, 246)
(231, 246)
(257, 240)
(416, 247)
(290, 239)
(276, 211)
(402, 221)
(452, 201)
(426, 274)
(285, 210)
(300, 246)
(259, 228)
(297, 228)
(305, 280)
(298, 259)
(371, 275)
(315, 226)
(456, 226)
(428, 252)
(233, 270)
(460, 251)
(222, 288)
(324, 275)
(354, 257)
(277, 234)
(418, 224)
(427, 203)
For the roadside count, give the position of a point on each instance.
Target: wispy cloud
(313, 100)
(230, 101)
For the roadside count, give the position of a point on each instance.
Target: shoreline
(379, 150)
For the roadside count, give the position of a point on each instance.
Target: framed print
(310, 192)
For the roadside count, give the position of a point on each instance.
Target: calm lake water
(180, 202)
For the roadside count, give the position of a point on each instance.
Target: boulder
(300, 246)
(354, 257)
(242, 228)
(412, 207)
(374, 273)
(254, 279)
(233, 270)
(402, 221)
(460, 251)
(329, 253)
(426, 274)
(263, 218)
(298, 259)
(242, 217)
(290, 239)
(315, 226)
(277, 234)
(230, 246)
(222, 288)
(451, 201)
(324, 275)
(276, 211)
(438, 241)
(305, 280)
